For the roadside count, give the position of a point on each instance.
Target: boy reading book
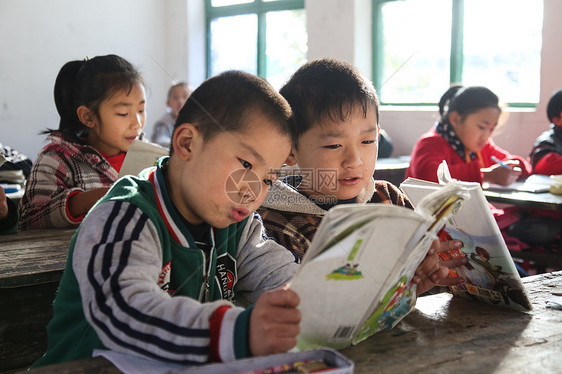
(156, 266)
(335, 120)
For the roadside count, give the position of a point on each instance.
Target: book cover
(355, 279)
(141, 155)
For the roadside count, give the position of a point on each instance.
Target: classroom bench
(31, 266)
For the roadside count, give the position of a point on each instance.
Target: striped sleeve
(117, 260)
(263, 265)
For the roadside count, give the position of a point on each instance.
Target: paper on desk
(555, 301)
(535, 183)
(131, 364)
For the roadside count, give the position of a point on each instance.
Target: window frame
(257, 7)
(456, 57)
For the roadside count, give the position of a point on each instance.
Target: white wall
(39, 36)
(165, 39)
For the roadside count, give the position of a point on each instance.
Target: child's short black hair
(327, 89)
(224, 102)
(554, 107)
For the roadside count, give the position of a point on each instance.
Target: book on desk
(490, 275)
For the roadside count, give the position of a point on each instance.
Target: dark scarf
(448, 133)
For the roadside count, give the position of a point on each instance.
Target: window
(263, 37)
(420, 47)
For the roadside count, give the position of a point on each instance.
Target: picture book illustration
(356, 277)
(397, 303)
(350, 270)
(490, 275)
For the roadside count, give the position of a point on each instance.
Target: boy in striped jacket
(174, 265)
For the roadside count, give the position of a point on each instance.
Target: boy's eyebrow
(339, 134)
(254, 153)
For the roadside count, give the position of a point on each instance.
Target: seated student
(335, 120)
(101, 106)
(462, 137)
(8, 214)
(385, 144)
(546, 156)
(539, 227)
(156, 265)
(162, 130)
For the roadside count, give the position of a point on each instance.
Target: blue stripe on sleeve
(101, 302)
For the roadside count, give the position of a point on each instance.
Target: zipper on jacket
(204, 293)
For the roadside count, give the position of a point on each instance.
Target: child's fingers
(451, 264)
(280, 315)
(440, 275)
(448, 245)
(274, 322)
(283, 297)
(450, 281)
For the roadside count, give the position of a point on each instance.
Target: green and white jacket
(135, 281)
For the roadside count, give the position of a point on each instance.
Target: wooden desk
(543, 200)
(31, 266)
(392, 169)
(452, 335)
(445, 335)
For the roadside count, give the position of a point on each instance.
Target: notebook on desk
(535, 183)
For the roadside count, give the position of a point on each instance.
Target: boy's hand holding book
(435, 272)
(274, 323)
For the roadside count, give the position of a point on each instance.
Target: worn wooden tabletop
(447, 335)
(452, 335)
(33, 257)
(31, 266)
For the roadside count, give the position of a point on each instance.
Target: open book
(355, 279)
(490, 275)
(141, 155)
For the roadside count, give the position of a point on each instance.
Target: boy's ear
(183, 140)
(291, 160)
(558, 120)
(86, 116)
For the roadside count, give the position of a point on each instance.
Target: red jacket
(431, 149)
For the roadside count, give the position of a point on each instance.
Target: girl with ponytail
(462, 137)
(101, 105)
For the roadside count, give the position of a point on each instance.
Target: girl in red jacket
(462, 138)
